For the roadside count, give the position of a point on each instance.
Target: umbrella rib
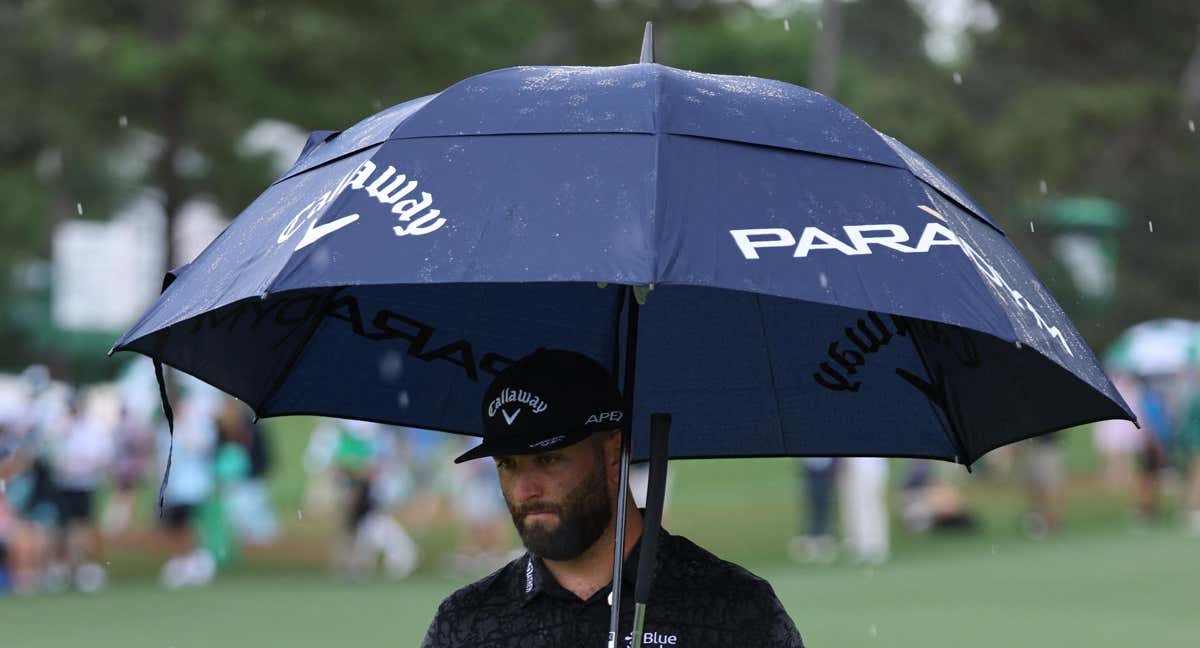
(303, 346)
(949, 428)
(762, 323)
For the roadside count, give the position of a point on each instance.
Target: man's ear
(612, 455)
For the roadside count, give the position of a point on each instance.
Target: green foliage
(1082, 96)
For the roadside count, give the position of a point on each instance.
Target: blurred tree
(105, 98)
(1083, 98)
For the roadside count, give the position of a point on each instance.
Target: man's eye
(547, 460)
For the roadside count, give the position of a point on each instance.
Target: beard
(583, 515)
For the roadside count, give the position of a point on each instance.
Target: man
(548, 425)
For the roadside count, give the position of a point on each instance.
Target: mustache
(522, 511)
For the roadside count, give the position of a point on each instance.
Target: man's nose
(526, 487)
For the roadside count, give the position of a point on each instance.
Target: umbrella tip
(648, 44)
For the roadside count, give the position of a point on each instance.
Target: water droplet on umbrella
(1017, 344)
(263, 296)
(79, 208)
(299, 514)
(390, 365)
(824, 280)
(958, 78)
(403, 399)
(786, 25)
(1150, 224)
(872, 631)
(1042, 187)
(321, 259)
(122, 121)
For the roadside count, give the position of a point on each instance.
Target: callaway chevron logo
(392, 189)
(510, 395)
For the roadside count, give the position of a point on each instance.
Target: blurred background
(132, 131)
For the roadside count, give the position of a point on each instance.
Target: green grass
(1100, 584)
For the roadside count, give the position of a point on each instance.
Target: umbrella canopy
(818, 287)
(1156, 348)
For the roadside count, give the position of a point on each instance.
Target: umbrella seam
(304, 345)
(942, 417)
(617, 132)
(762, 323)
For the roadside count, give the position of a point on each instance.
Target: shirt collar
(536, 579)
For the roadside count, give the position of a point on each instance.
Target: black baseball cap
(547, 400)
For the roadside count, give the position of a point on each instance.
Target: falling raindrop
(872, 631)
(787, 26)
(820, 25)
(3, 486)
(390, 365)
(994, 550)
(377, 104)
(958, 78)
(1042, 187)
(122, 121)
(403, 399)
(79, 208)
(824, 280)
(1150, 224)
(1030, 226)
(299, 514)
(1192, 125)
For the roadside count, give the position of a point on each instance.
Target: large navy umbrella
(811, 286)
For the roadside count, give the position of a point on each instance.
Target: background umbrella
(811, 286)
(1156, 348)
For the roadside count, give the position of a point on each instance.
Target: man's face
(560, 501)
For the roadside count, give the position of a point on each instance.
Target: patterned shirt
(696, 601)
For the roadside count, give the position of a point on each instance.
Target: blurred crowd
(82, 468)
(844, 501)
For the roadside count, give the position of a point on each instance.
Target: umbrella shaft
(614, 620)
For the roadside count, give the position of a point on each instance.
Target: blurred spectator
(1044, 477)
(244, 461)
(191, 482)
(364, 456)
(134, 455)
(863, 499)
(1118, 442)
(484, 536)
(816, 542)
(423, 452)
(81, 451)
(1188, 448)
(933, 503)
(1157, 432)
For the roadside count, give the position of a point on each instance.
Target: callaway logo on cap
(547, 400)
